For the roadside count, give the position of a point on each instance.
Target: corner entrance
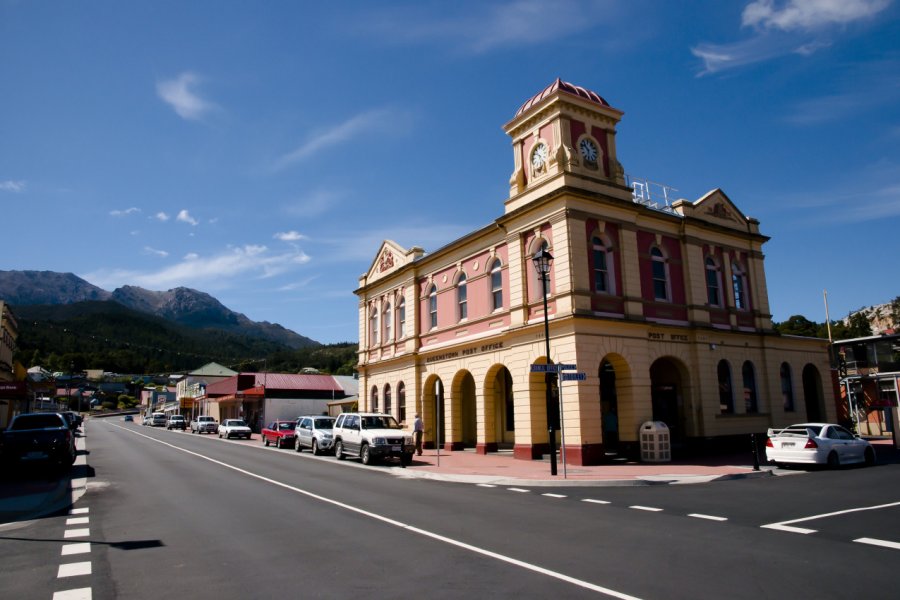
(667, 383)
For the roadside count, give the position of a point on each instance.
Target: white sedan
(234, 428)
(817, 443)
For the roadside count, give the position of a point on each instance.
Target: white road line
(486, 485)
(882, 543)
(79, 594)
(647, 508)
(78, 521)
(708, 517)
(592, 501)
(73, 533)
(79, 511)
(74, 569)
(81, 548)
(553, 495)
(388, 521)
(520, 490)
(785, 525)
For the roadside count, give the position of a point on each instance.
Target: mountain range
(181, 305)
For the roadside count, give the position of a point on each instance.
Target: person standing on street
(418, 431)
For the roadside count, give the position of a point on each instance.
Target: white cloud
(221, 271)
(123, 213)
(161, 253)
(290, 236)
(185, 217)
(796, 15)
(179, 93)
(373, 120)
(793, 27)
(12, 186)
(161, 216)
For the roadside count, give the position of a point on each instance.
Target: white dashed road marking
(592, 501)
(486, 485)
(553, 495)
(520, 490)
(882, 543)
(78, 521)
(74, 533)
(79, 594)
(647, 508)
(79, 511)
(788, 528)
(81, 548)
(73, 569)
(708, 517)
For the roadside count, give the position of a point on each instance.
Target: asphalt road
(174, 513)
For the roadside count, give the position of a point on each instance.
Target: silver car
(315, 433)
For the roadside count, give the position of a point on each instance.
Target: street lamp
(542, 260)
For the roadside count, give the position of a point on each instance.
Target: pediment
(391, 257)
(716, 207)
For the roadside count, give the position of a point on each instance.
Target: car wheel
(339, 450)
(870, 457)
(315, 448)
(834, 460)
(297, 445)
(265, 440)
(406, 460)
(365, 455)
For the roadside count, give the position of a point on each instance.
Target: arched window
(387, 323)
(726, 398)
(602, 262)
(660, 275)
(401, 401)
(462, 297)
(401, 319)
(496, 285)
(713, 283)
(374, 402)
(387, 398)
(787, 387)
(432, 306)
(739, 284)
(373, 329)
(750, 402)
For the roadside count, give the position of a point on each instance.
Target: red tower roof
(563, 86)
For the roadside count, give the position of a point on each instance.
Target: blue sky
(261, 152)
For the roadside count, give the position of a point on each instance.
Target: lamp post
(542, 261)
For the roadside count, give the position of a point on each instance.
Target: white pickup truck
(234, 428)
(204, 424)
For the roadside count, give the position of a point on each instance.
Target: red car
(280, 433)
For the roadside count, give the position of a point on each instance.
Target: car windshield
(234, 423)
(380, 422)
(324, 423)
(177, 418)
(287, 425)
(23, 422)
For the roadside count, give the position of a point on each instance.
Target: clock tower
(564, 135)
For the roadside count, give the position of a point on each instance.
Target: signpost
(559, 368)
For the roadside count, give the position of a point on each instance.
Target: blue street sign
(538, 368)
(566, 367)
(552, 368)
(573, 376)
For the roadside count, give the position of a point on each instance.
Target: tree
(858, 326)
(798, 325)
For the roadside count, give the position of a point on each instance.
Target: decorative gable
(715, 207)
(391, 257)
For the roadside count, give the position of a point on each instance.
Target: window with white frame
(373, 329)
(739, 286)
(726, 398)
(713, 283)
(401, 319)
(751, 404)
(387, 399)
(432, 306)
(660, 275)
(462, 301)
(374, 399)
(496, 285)
(602, 261)
(387, 323)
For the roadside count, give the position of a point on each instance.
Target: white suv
(371, 436)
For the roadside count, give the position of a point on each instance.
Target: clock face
(588, 150)
(539, 156)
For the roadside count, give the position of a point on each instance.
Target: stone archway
(462, 428)
(499, 411)
(609, 407)
(668, 382)
(812, 394)
(432, 411)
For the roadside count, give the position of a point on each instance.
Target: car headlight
(327, 436)
(379, 441)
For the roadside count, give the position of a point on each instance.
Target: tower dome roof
(563, 86)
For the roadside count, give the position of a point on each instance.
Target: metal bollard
(755, 452)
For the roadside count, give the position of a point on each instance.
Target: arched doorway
(432, 411)
(504, 409)
(464, 422)
(812, 392)
(667, 384)
(609, 407)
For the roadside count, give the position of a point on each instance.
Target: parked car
(176, 422)
(234, 428)
(128, 419)
(74, 418)
(158, 419)
(146, 421)
(371, 437)
(39, 437)
(315, 433)
(817, 443)
(280, 433)
(204, 424)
